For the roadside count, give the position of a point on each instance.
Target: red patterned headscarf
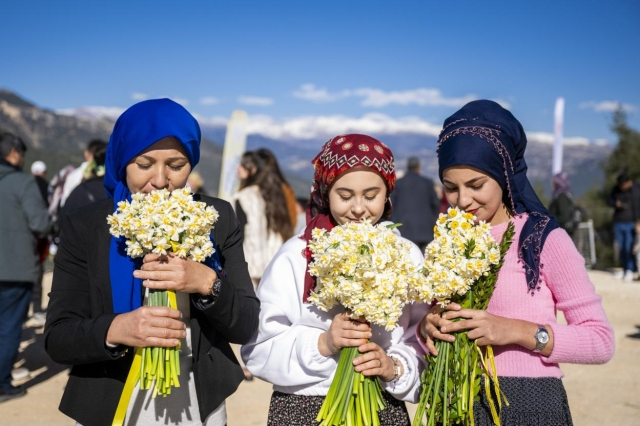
(337, 156)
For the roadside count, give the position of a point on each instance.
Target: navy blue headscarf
(486, 136)
(138, 128)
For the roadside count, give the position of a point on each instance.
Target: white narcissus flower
(162, 222)
(452, 262)
(365, 268)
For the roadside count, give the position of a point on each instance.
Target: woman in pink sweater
(482, 167)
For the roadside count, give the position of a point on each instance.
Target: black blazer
(416, 205)
(81, 310)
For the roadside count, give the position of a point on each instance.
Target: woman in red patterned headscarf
(297, 345)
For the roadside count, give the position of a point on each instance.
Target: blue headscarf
(486, 136)
(138, 128)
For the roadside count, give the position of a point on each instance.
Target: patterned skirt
(299, 410)
(532, 402)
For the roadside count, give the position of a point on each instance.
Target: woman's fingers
(152, 275)
(347, 342)
(161, 311)
(453, 307)
(160, 285)
(431, 346)
(157, 266)
(153, 257)
(433, 326)
(374, 361)
(147, 326)
(161, 326)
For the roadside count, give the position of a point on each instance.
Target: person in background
(96, 318)
(415, 205)
(301, 213)
(271, 164)
(39, 171)
(297, 345)
(23, 218)
(76, 177)
(561, 206)
(482, 167)
(262, 210)
(625, 199)
(196, 183)
(92, 188)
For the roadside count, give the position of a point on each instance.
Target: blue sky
(305, 69)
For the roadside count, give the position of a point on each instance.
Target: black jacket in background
(415, 205)
(87, 192)
(81, 311)
(630, 199)
(43, 187)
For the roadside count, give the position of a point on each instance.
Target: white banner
(557, 144)
(235, 144)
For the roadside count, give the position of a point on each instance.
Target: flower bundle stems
(452, 380)
(353, 399)
(160, 365)
(160, 222)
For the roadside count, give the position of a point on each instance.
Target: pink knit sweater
(565, 286)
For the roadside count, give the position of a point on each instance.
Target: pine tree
(625, 157)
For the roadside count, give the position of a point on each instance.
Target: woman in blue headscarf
(483, 171)
(95, 315)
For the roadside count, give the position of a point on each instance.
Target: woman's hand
(147, 326)
(430, 326)
(489, 329)
(343, 332)
(374, 361)
(174, 273)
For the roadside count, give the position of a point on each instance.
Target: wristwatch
(214, 291)
(542, 338)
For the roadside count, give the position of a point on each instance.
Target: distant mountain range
(59, 139)
(582, 162)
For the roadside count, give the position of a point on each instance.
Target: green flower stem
(161, 365)
(445, 405)
(436, 388)
(352, 399)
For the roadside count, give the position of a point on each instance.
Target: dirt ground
(598, 394)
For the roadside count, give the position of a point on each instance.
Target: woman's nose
(464, 199)
(357, 207)
(160, 179)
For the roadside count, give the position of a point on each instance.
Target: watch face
(542, 337)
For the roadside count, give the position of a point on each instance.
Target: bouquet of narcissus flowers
(461, 265)
(368, 270)
(163, 222)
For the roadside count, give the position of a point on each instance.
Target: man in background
(75, 177)
(23, 218)
(39, 171)
(625, 199)
(415, 205)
